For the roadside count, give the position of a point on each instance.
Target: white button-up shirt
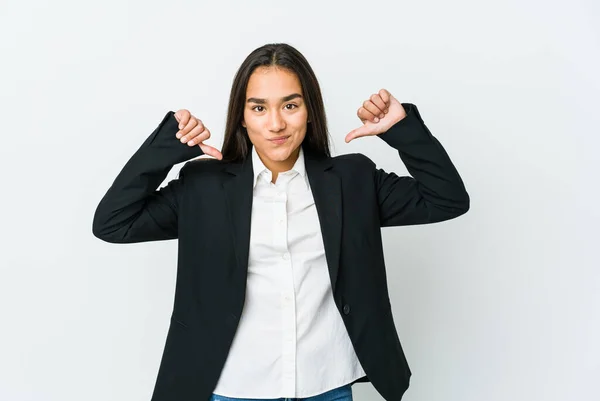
(291, 340)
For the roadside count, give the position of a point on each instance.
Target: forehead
(272, 83)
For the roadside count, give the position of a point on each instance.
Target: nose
(276, 122)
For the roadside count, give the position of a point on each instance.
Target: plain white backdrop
(502, 303)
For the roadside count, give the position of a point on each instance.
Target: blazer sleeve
(133, 210)
(434, 193)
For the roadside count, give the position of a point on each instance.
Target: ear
(243, 123)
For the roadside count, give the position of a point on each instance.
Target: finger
(378, 101)
(386, 96)
(184, 117)
(209, 150)
(365, 115)
(194, 132)
(198, 135)
(188, 127)
(358, 132)
(374, 110)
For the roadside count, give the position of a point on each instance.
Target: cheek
(254, 138)
(252, 128)
(299, 122)
(300, 137)
(301, 131)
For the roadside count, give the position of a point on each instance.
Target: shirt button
(286, 256)
(346, 309)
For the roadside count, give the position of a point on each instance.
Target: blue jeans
(343, 393)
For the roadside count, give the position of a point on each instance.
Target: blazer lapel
(327, 193)
(238, 191)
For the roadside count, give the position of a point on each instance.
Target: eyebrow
(283, 99)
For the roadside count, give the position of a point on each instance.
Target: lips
(279, 140)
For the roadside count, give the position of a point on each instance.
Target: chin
(280, 155)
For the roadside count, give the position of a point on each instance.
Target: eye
(255, 107)
(291, 104)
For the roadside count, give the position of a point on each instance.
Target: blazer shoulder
(202, 166)
(353, 161)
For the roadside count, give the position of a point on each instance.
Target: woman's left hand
(377, 114)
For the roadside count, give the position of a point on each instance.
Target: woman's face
(275, 116)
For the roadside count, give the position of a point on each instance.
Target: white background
(502, 303)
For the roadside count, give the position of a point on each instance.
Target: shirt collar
(259, 168)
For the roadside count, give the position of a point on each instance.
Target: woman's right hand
(193, 132)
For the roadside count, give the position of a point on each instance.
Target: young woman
(281, 287)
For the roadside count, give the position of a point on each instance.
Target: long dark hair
(237, 144)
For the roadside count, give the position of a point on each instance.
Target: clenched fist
(193, 132)
(377, 114)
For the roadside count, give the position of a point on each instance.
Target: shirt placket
(288, 310)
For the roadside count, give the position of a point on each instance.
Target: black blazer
(208, 209)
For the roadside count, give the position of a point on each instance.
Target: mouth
(279, 140)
